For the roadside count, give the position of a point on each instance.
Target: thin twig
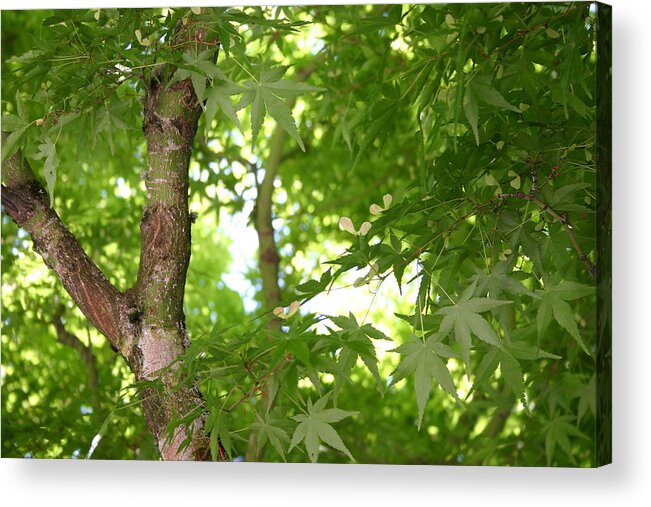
(561, 218)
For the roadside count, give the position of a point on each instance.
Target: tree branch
(27, 203)
(560, 218)
(269, 260)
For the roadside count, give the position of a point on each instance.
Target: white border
(627, 482)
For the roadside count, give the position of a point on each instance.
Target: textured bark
(170, 123)
(145, 324)
(27, 202)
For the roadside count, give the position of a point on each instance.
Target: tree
(437, 161)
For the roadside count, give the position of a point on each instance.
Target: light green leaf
(257, 115)
(587, 398)
(564, 315)
(331, 415)
(374, 333)
(491, 96)
(11, 122)
(280, 112)
(218, 424)
(20, 107)
(356, 342)
(328, 434)
(422, 359)
(48, 151)
(497, 281)
(314, 427)
(479, 305)
(523, 350)
(543, 316)
(512, 375)
(218, 97)
(267, 95)
(299, 434)
(12, 142)
(487, 366)
(558, 432)
(554, 303)
(569, 291)
(269, 429)
(462, 334)
(471, 109)
(286, 88)
(199, 84)
(552, 34)
(464, 318)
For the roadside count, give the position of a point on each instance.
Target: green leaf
(487, 366)
(491, 96)
(554, 303)
(199, 84)
(48, 151)
(257, 115)
(544, 316)
(270, 429)
(11, 122)
(280, 112)
(422, 359)
(12, 143)
(569, 291)
(355, 342)
(20, 108)
(286, 88)
(218, 97)
(374, 333)
(512, 375)
(267, 95)
(564, 315)
(523, 350)
(497, 281)
(471, 109)
(314, 427)
(218, 423)
(587, 398)
(558, 432)
(464, 318)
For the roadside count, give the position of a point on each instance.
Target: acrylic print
(336, 234)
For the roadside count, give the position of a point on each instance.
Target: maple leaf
(558, 432)
(423, 360)
(266, 95)
(270, 429)
(464, 317)
(314, 427)
(554, 304)
(356, 342)
(47, 150)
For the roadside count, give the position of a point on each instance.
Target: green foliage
(423, 360)
(477, 120)
(266, 94)
(314, 427)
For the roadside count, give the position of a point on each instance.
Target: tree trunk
(268, 257)
(170, 123)
(146, 324)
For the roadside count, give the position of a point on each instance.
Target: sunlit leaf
(314, 427)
